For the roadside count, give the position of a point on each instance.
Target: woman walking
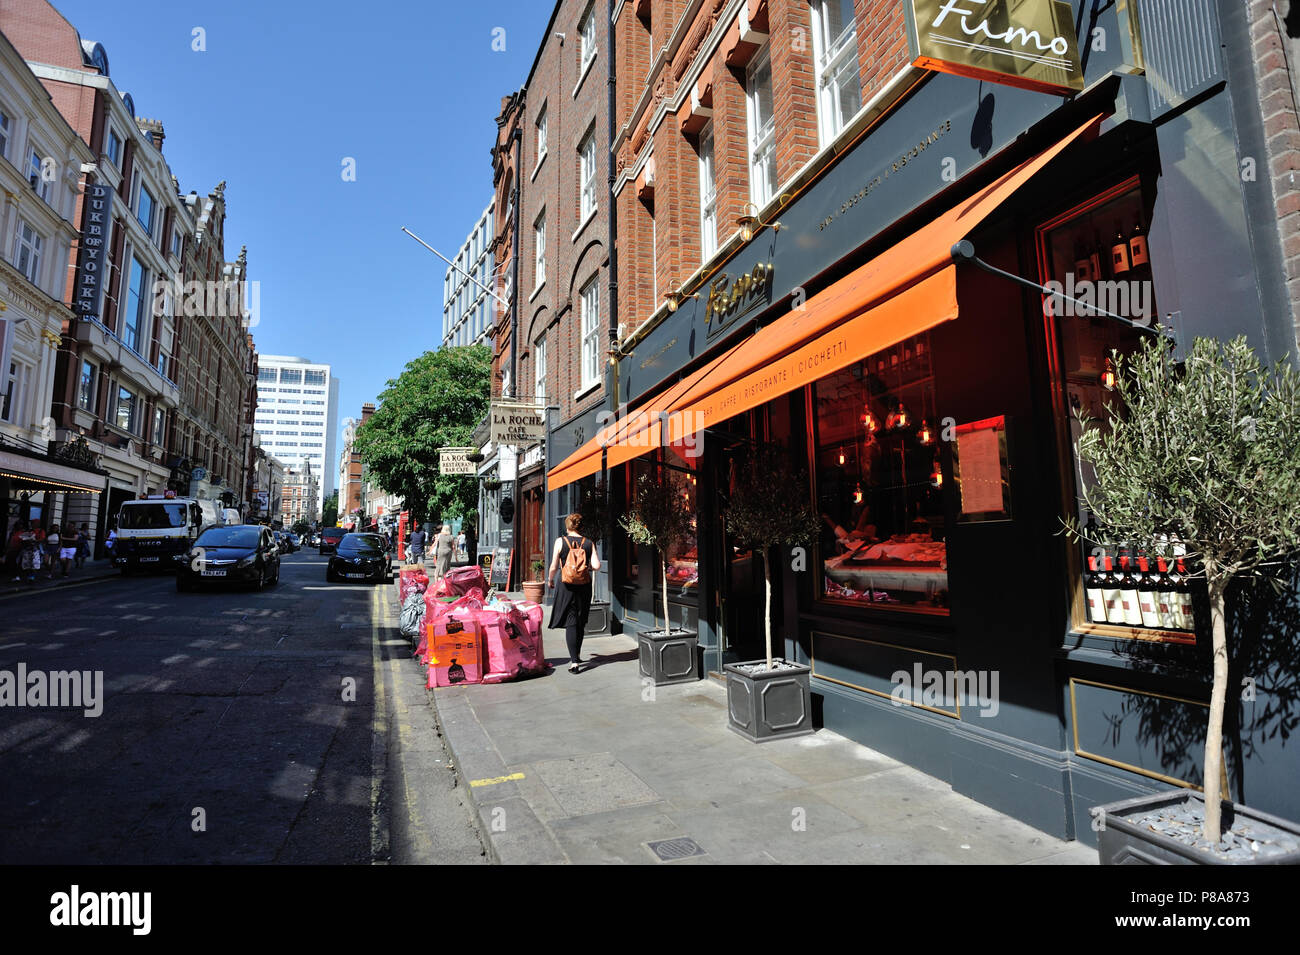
(575, 559)
(68, 547)
(442, 548)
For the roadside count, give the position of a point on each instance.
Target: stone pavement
(580, 769)
(90, 570)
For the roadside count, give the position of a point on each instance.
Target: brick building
(792, 178)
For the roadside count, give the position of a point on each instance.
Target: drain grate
(670, 850)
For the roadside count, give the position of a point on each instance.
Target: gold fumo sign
(1030, 44)
(726, 296)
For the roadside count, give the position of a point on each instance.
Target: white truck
(152, 532)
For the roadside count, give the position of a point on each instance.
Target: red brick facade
(1279, 90)
(664, 102)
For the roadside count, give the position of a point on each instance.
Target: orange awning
(907, 289)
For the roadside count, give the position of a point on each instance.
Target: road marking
(10, 646)
(495, 779)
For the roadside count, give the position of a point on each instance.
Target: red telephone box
(402, 518)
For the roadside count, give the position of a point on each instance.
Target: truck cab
(152, 532)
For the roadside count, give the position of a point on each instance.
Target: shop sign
(517, 423)
(453, 461)
(1031, 45)
(198, 474)
(90, 255)
(731, 299)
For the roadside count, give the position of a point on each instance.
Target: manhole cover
(669, 850)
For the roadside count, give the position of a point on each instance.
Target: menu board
(501, 561)
(980, 465)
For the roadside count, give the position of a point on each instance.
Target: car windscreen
(362, 544)
(333, 535)
(242, 535)
(151, 517)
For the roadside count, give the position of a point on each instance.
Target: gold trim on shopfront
(812, 658)
(1074, 721)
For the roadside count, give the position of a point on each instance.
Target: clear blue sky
(284, 91)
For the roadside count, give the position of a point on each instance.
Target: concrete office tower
(468, 311)
(297, 414)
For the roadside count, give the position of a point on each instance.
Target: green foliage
(657, 517)
(435, 403)
(769, 504)
(1207, 454)
(300, 528)
(538, 568)
(330, 511)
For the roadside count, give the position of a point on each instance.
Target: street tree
(435, 403)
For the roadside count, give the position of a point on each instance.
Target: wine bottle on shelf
(1082, 262)
(1139, 256)
(1110, 592)
(1148, 597)
(1119, 254)
(1095, 257)
(1183, 600)
(1165, 595)
(1129, 595)
(1092, 588)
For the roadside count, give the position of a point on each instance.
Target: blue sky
(284, 91)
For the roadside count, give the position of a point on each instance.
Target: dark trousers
(573, 637)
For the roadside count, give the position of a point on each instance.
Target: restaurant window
(879, 483)
(1096, 253)
(762, 129)
(682, 563)
(839, 88)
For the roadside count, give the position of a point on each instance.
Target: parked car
(329, 539)
(361, 557)
(243, 553)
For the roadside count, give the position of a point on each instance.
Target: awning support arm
(964, 251)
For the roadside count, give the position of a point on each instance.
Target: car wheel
(276, 579)
(329, 576)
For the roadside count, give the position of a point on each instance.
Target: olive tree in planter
(1207, 455)
(769, 508)
(657, 519)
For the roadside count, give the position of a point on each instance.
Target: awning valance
(907, 289)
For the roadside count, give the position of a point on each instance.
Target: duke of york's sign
(1032, 46)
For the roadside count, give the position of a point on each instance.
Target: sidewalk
(90, 570)
(580, 769)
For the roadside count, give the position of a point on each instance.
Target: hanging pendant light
(897, 418)
(841, 455)
(925, 435)
(857, 494)
(936, 475)
(1108, 376)
(869, 422)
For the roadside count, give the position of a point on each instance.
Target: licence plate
(356, 576)
(214, 573)
(145, 560)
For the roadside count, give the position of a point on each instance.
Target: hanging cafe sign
(1031, 45)
(454, 461)
(517, 423)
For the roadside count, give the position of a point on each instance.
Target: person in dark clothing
(415, 546)
(572, 600)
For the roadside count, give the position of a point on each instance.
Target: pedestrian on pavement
(460, 545)
(68, 549)
(442, 553)
(415, 546)
(14, 548)
(83, 544)
(53, 545)
(110, 542)
(575, 559)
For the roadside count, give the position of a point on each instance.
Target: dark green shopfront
(942, 462)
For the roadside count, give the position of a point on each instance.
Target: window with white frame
(27, 256)
(135, 309)
(36, 175)
(127, 410)
(591, 333)
(539, 246)
(11, 406)
(159, 426)
(145, 209)
(835, 51)
(6, 130)
(88, 387)
(762, 129)
(177, 242)
(587, 32)
(541, 135)
(539, 370)
(587, 174)
(708, 196)
(113, 147)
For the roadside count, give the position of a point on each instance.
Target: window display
(879, 482)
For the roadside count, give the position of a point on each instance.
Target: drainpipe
(514, 265)
(611, 393)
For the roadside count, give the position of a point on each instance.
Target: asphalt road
(286, 726)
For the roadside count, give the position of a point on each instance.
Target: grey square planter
(668, 658)
(769, 704)
(1120, 842)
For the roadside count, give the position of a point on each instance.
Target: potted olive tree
(657, 519)
(1205, 455)
(769, 508)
